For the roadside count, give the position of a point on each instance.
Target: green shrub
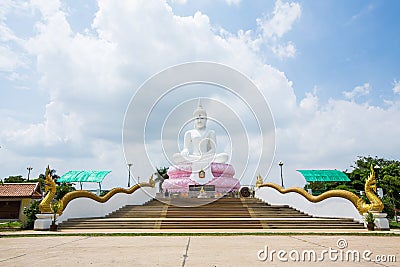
(389, 207)
(369, 218)
(31, 214)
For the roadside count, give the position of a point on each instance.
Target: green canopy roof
(324, 176)
(83, 176)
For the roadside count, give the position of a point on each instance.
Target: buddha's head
(200, 117)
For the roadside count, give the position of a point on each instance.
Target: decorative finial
(151, 181)
(259, 180)
(200, 111)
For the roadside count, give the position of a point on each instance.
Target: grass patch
(394, 224)
(201, 234)
(12, 225)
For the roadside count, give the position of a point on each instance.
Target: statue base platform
(381, 221)
(202, 195)
(222, 178)
(43, 221)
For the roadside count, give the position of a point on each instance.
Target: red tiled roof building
(15, 196)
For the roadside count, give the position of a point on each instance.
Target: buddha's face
(200, 121)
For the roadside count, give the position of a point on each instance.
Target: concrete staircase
(224, 213)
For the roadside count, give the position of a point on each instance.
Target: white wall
(331, 207)
(86, 207)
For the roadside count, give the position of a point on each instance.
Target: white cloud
(8, 59)
(310, 103)
(276, 25)
(396, 87)
(233, 2)
(181, 2)
(246, 38)
(284, 15)
(285, 51)
(360, 90)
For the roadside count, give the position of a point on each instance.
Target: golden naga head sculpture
(50, 189)
(49, 183)
(259, 180)
(371, 180)
(151, 181)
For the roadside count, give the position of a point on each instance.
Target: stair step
(224, 213)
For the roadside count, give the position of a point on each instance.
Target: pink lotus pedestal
(223, 180)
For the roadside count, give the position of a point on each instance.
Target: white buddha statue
(200, 143)
(198, 161)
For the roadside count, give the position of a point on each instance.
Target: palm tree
(161, 174)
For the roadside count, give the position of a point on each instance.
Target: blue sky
(329, 70)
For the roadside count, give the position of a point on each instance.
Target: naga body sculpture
(50, 188)
(362, 207)
(47, 206)
(85, 194)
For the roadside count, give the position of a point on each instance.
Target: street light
(129, 176)
(29, 171)
(281, 165)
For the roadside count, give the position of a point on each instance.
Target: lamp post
(129, 175)
(281, 165)
(29, 171)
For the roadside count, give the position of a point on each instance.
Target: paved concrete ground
(241, 250)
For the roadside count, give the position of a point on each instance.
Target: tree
(15, 179)
(53, 174)
(387, 173)
(345, 187)
(40, 180)
(321, 187)
(162, 174)
(63, 189)
(163, 171)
